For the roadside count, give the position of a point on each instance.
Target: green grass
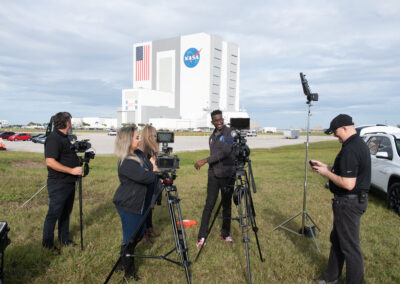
(279, 175)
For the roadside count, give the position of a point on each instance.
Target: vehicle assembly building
(177, 82)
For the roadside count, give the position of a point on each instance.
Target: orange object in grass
(187, 223)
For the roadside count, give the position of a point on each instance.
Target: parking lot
(104, 144)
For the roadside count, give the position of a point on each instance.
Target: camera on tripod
(306, 89)
(165, 162)
(82, 146)
(240, 127)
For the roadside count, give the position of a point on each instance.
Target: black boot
(130, 265)
(122, 263)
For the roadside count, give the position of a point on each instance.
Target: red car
(20, 136)
(5, 135)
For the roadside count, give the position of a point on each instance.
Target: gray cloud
(77, 55)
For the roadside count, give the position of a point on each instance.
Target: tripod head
(84, 161)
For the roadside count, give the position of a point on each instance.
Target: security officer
(63, 169)
(221, 167)
(349, 181)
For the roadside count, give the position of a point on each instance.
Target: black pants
(213, 187)
(345, 239)
(60, 207)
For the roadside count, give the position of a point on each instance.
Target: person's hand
(320, 167)
(153, 162)
(200, 163)
(77, 171)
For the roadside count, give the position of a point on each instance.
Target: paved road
(104, 144)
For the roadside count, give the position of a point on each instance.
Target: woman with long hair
(149, 146)
(130, 196)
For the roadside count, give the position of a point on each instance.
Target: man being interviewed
(221, 168)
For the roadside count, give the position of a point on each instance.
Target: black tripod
(243, 200)
(84, 162)
(179, 232)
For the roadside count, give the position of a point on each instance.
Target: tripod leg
(311, 230)
(209, 229)
(243, 211)
(252, 214)
(179, 233)
(80, 209)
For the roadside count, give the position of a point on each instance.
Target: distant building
(178, 81)
(94, 122)
(3, 123)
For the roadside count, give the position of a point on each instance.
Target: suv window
(373, 145)
(386, 146)
(397, 141)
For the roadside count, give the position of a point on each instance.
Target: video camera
(165, 162)
(239, 131)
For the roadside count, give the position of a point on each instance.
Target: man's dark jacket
(221, 160)
(131, 193)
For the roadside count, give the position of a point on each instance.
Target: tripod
(179, 232)
(84, 162)
(304, 231)
(244, 201)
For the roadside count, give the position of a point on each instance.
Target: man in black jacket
(63, 169)
(221, 168)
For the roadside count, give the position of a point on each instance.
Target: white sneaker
(228, 239)
(201, 242)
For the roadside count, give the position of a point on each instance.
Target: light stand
(305, 230)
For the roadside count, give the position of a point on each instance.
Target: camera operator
(129, 198)
(221, 168)
(148, 148)
(349, 181)
(63, 169)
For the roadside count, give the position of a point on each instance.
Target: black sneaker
(69, 243)
(52, 248)
(323, 281)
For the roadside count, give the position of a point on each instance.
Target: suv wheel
(394, 197)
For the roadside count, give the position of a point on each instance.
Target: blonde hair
(148, 144)
(123, 143)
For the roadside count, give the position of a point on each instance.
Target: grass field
(279, 175)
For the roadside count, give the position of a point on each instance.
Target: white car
(377, 128)
(385, 165)
(252, 133)
(112, 133)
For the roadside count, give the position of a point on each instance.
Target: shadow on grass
(305, 246)
(378, 197)
(24, 263)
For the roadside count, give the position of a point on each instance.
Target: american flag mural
(142, 63)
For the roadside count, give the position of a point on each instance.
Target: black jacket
(221, 160)
(131, 193)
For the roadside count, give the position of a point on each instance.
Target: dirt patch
(27, 164)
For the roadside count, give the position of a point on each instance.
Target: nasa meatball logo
(192, 57)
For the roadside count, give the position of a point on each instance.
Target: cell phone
(311, 163)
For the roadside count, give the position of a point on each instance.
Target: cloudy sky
(77, 55)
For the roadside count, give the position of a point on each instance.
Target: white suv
(385, 165)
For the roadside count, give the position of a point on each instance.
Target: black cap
(339, 121)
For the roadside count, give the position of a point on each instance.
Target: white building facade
(178, 82)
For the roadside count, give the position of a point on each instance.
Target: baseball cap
(339, 121)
